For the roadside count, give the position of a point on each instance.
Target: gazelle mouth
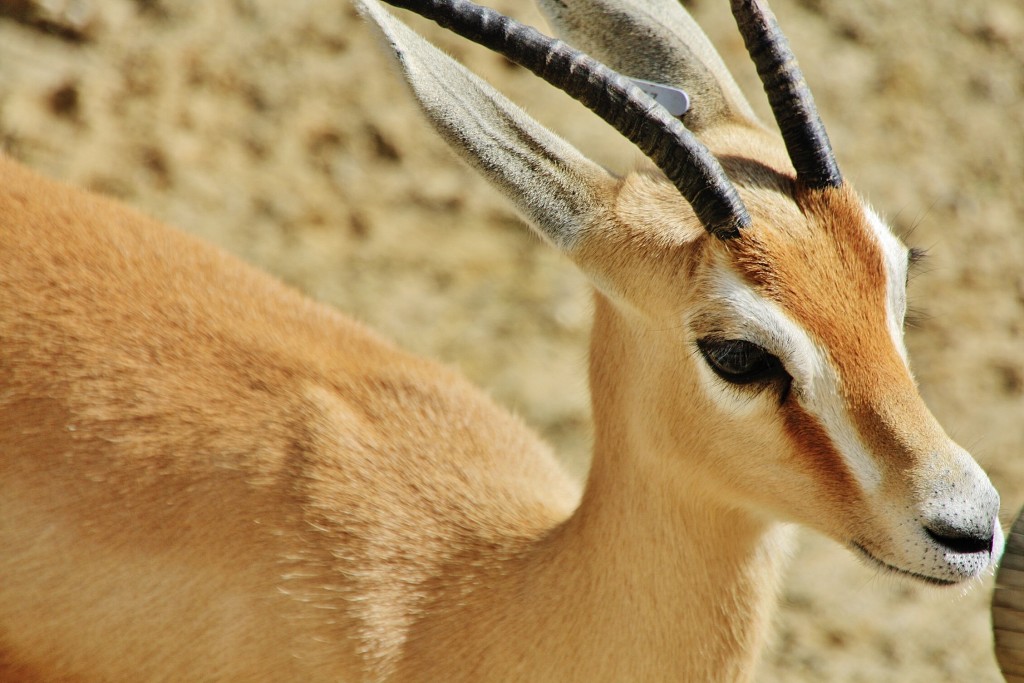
(935, 581)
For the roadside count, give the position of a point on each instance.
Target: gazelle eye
(741, 362)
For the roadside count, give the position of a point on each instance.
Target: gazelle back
(207, 477)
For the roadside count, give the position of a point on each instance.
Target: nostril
(960, 540)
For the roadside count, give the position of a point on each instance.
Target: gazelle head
(749, 332)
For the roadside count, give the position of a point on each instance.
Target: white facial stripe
(815, 383)
(895, 255)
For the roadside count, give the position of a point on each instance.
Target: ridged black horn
(790, 98)
(661, 136)
(1008, 605)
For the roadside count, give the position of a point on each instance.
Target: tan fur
(172, 417)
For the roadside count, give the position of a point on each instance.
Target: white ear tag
(674, 100)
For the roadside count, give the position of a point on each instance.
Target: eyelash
(916, 258)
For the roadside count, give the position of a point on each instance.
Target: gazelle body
(204, 476)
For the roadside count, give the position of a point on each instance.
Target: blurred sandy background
(277, 130)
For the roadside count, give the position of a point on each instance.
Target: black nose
(960, 540)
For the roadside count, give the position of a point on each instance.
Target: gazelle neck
(674, 590)
(647, 580)
(681, 581)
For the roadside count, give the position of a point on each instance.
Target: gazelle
(205, 476)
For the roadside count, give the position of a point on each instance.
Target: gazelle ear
(557, 189)
(656, 40)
